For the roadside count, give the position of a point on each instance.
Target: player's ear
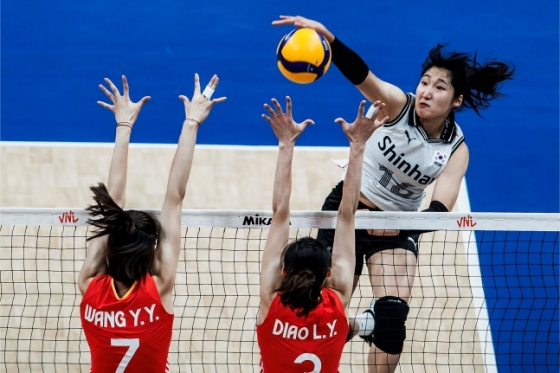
(458, 101)
(328, 273)
(284, 273)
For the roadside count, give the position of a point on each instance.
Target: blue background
(54, 54)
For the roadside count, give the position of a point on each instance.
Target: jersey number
(132, 345)
(310, 357)
(398, 189)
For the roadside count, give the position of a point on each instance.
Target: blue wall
(54, 54)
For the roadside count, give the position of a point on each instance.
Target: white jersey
(400, 161)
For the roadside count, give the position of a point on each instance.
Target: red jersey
(291, 344)
(128, 334)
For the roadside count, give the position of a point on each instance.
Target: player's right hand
(362, 128)
(199, 106)
(302, 22)
(283, 124)
(124, 109)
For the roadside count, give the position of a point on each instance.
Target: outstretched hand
(283, 124)
(198, 108)
(302, 22)
(124, 109)
(363, 127)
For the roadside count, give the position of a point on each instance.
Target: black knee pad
(389, 331)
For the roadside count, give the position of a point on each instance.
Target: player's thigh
(391, 272)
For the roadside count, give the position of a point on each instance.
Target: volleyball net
(485, 293)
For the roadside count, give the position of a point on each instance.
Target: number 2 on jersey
(310, 357)
(132, 345)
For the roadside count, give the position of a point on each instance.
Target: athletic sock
(366, 322)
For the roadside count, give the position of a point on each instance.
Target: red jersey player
(126, 281)
(304, 292)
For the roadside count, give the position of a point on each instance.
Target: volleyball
(303, 55)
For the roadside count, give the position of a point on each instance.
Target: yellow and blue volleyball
(303, 55)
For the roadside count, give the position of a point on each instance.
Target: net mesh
(481, 298)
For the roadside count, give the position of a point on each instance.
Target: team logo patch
(440, 158)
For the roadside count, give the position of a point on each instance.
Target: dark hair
(306, 262)
(132, 236)
(477, 83)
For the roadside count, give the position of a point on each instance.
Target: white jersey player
(421, 144)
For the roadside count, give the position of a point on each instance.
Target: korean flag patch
(440, 158)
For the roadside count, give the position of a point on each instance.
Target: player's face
(434, 94)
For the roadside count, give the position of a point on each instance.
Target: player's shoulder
(402, 115)
(148, 280)
(96, 290)
(98, 282)
(332, 299)
(457, 139)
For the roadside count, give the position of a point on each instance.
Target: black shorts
(366, 244)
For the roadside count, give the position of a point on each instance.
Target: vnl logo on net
(68, 217)
(466, 222)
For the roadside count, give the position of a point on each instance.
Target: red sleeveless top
(128, 334)
(291, 344)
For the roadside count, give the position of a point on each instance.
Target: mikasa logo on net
(256, 220)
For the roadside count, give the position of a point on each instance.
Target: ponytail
(301, 292)
(483, 84)
(478, 83)
(132, 236)
(106, 215)
(306, 262)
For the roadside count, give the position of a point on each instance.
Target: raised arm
(448, 183)
(343, 257)
(169, 242)
(354, 68)
(126, 113)
(287, 131)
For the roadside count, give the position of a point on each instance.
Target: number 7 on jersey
(132, 345)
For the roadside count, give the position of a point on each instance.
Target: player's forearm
(116, 184)
(283, 179)
(350, 64)
(182, 162)
(353, 179)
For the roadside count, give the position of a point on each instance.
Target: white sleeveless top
(400, 161)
